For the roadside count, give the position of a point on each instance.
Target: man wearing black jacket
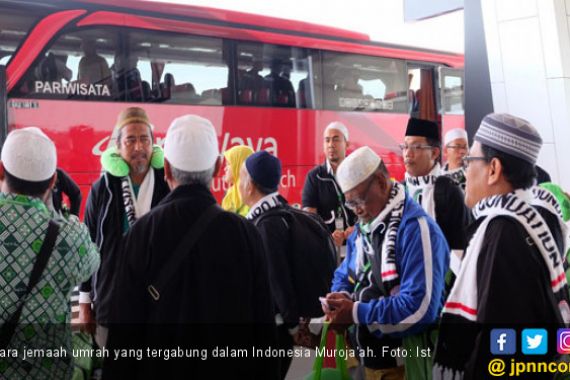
(321, 192)
(215, 296)
(438, 194)
(115, 201)
(512, 275)
(294, 280)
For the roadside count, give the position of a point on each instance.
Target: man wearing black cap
(295, 281)
(438, 195)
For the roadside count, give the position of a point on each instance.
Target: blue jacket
(422, 259)
(344, 278)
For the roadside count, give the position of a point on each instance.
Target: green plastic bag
(338, 373)
(82, 366)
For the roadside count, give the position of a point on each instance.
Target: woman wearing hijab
(235, 157)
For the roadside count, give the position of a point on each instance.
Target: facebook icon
(503, 341)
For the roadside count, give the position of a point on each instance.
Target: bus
(269, 83)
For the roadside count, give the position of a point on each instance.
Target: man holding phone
(405, 255)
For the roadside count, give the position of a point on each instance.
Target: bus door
(422, 101)
(451, 89)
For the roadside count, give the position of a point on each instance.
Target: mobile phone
(339, 224)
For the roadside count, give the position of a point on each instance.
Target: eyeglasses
(360, 201)
(465, 161)
(132, 141)
(415, 147)
(458, 147)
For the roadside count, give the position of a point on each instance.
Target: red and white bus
(72, 66)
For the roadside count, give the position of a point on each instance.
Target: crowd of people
(430, 264)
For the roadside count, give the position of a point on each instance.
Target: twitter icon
(534, 341)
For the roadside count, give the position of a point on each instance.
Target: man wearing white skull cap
(193, 275)
(456, 147)
(405, 254)
(321, 192)
(44, 255)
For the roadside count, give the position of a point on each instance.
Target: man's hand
(340, 314)
(338, 296)
(86, 320)
(348, 232)
(338, 238)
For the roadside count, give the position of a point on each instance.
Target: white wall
(528, 47)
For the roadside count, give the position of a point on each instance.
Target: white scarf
(546, 200)
(266, 203)
(393, 211)
(462, 300)
(421, 189)
(137, 206)
(457, 175)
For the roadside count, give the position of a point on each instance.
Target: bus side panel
(81, 131)
(452, 121)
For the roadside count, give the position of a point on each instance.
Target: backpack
(312, 258)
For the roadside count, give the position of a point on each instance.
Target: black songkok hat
(424, 128)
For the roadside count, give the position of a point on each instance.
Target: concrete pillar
(528, 47)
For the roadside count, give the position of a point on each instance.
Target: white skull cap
(356, 168)
(191, 144)
(28, 154)
(339, 127)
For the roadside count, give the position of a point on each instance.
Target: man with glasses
(512, 274)
(132, 183)
(456, 147)
(405, 255)
(438, 195)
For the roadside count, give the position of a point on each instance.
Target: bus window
(180, 69)
(132, 66)
(452, 92)
(77, 66)
(279, 76)
(362, 83)
(14, 26)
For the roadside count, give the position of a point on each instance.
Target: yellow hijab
(236, 156)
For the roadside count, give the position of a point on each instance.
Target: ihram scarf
(264, 204)
(421, 189)
(393, 213)
(462, 300)
(457, 175)
(135, 207)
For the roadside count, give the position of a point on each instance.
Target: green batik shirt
(44, 323)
